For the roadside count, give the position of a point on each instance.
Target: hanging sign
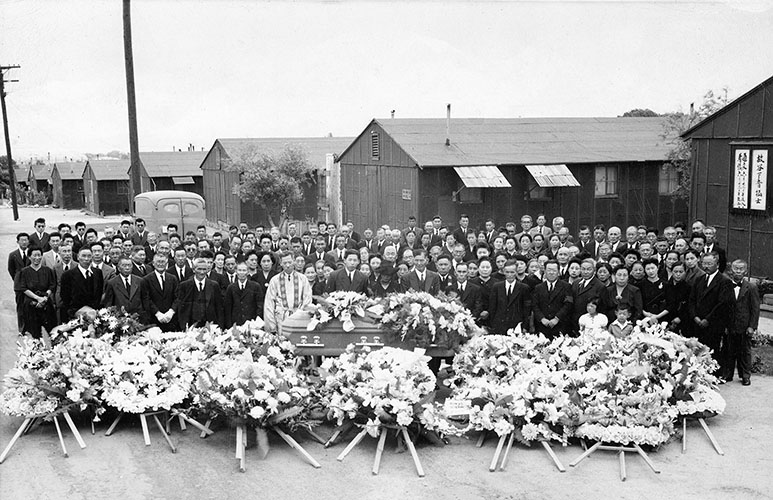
(759, 179)
(741, 185)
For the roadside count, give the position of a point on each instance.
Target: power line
(11, 172)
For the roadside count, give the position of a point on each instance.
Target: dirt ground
(121, 466)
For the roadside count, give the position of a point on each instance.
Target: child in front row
(592, 322)
(621, 327)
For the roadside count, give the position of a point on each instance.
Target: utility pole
(135, 186)
(11, 172)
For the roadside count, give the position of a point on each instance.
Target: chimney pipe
(448, 124)
(393, 114)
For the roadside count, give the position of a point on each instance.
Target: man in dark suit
(81, 286)
(444, 266)
(140, 236)
(460, 234)
(737, 347)
(585, 242)
(39, 237)
(368, 242)
(338, 253)
(243, 299)
(552, 304)
(468, 293)
(179, 267)
(509, 302)
(320, 253)
(583, 290)
(18, 259)
(139, 268)
(123, 291)
(159, 295)
(711, 305)
(199, 300)
(422, 279)
(710, 232)
(348, 278)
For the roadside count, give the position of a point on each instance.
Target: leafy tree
(273, 181)
(4, 176)
(647, 112)
(680, 155)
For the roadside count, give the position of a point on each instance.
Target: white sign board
(741, 184)
(759, 178)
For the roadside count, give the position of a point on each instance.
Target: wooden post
(205, 433)
(379, 451)
(297, 447)
(74, 430)
(61, 439)
(416, 462)
(507, 451)
(711, 436)
(585, 455)
(163, 432)
(145, 433)
(351, 445)
(14, 439)
(114, 424)
(621, 454)
(556, 461)
(494, 460)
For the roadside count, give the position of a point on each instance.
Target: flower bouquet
(339, 305)
(116, 323)
(261, 392)
(376, 391)
(418, 319)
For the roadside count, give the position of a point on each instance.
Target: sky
(210, 69)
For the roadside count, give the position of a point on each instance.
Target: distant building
(588, 170)
(67, 182)
(39, 178)
(224, 206)
(106, 186)
(731, 182)
(178, 170)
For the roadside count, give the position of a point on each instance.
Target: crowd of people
(536, 277)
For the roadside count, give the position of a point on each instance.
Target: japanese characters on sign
(759, 179)
(741, 186)
(750, 185)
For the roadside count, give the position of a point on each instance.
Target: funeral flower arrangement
(421, 319)
(502, 384)
(386, 387)
(596, 387)
(99, 323)
(139, 376)
(340, 305)
(45, 382)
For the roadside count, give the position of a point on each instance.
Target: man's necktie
(201, 286)
(88, 274)
(162, 282)
(126, 284)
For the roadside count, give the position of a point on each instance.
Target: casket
(330, 339)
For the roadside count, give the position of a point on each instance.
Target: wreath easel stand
(29, 422)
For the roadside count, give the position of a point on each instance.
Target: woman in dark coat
(653, 292)
(37, 286)
(677, 294)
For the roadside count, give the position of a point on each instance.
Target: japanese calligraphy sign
(759, 179)
(741, 185)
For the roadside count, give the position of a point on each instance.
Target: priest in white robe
(287, 292)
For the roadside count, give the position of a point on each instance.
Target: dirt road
(121, 466)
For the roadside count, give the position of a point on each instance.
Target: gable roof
(522, 141)
(173, 163)
(72, 170)
(40, 172)
(110, 170)
(316, 147)
(727, 107)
